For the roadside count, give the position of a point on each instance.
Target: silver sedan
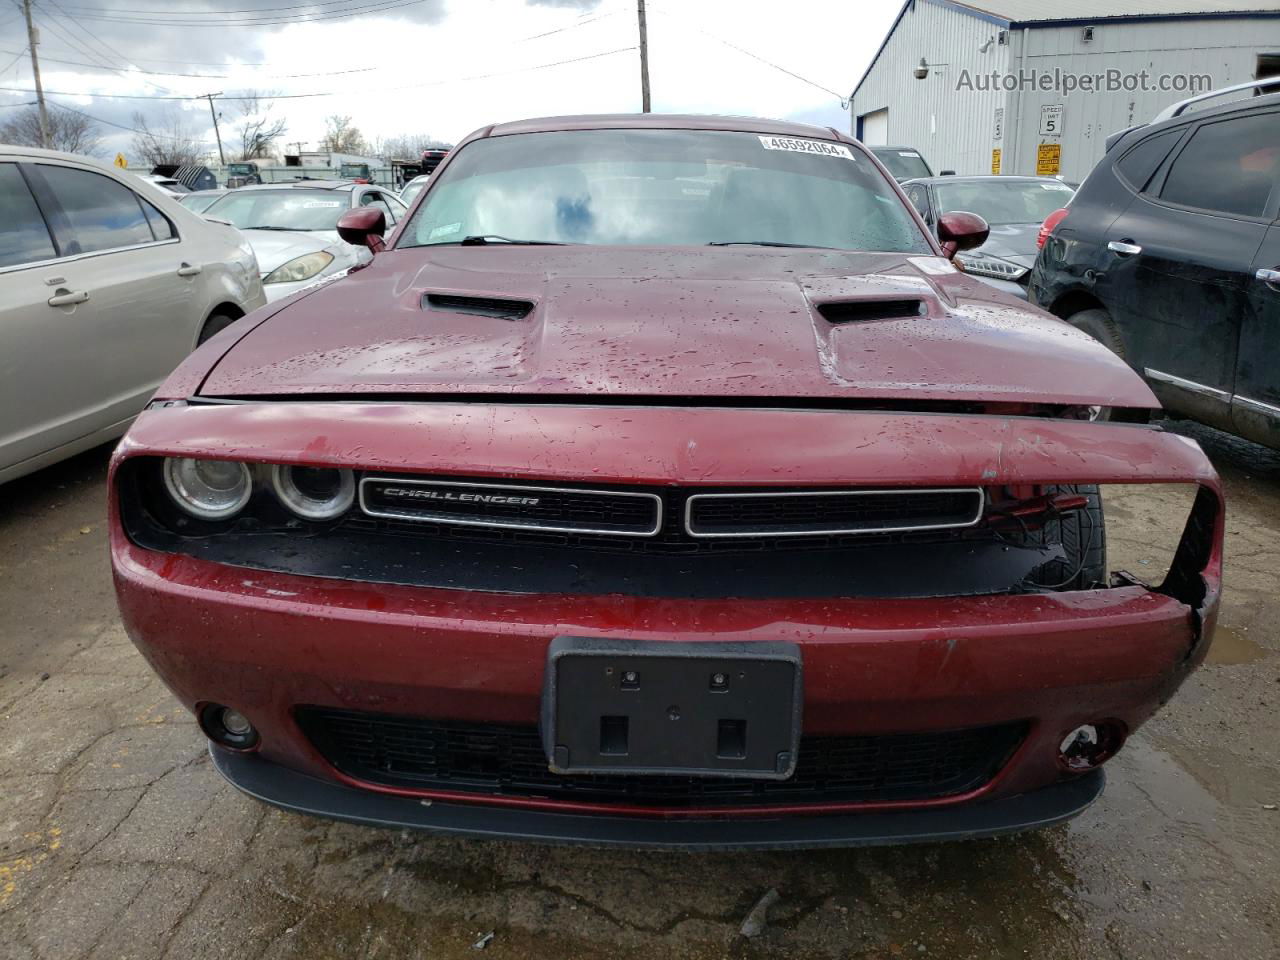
(106, 283)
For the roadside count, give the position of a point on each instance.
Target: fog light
(1090, 745)
(314, 493)
(208, 489)
(228, 727)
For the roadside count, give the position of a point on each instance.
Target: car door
(1178, 260)
(34, 413)
(1255, 408)
(137, 318)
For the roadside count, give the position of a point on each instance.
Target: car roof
(663, 121)
(884, 146)
(978, 177)
(335, 185)
(1194, 115)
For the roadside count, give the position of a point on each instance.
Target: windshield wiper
(265, 227)
(765, 243)
(480, 239)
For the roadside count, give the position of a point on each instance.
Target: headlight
(982, 266)
(208, 489)
(300, 268)
(315, 493)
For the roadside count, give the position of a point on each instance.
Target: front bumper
(267, 643)
(299, 793)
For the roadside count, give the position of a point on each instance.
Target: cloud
(445, 67)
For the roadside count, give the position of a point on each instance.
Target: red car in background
(662, 483)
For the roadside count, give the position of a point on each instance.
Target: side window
(374, 199)
(1230, 166)
(24, 238)
(103, 213)
(919, 198)
(1142, 161)
(161, 228)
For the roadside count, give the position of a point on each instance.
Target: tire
(1099, 325)
(1083, 535)
(215, 324)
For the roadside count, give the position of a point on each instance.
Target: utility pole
(35, 70)
(644, 59)
(209, 96)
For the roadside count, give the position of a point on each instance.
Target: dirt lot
(118, 839)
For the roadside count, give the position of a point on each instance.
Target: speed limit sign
(1051, 120)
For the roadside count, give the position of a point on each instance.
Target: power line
(755, 56)
(205, 76)
(110, 50)
(169, 12)
(379, 6)
(21, 53)
(336, 93)
(121, 126)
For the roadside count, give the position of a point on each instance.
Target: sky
(438, 68)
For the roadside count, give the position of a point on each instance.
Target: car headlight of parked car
(208, 489)
(981, 265)
(214, 490)
(300, 268)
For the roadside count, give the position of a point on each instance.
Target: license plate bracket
(672, 708)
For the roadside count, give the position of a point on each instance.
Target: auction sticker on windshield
(806, 146)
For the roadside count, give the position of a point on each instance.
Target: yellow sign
(995, 161)
(1048, 159)
(121, 162)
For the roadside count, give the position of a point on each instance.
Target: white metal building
(996, 96)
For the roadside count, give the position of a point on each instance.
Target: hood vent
(478, 306)
(855, 311)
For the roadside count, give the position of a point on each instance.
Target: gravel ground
(118, 839)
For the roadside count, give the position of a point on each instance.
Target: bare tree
(258, 131)
(406, 146)
(172, 139)
(69, 130)
(340, 136)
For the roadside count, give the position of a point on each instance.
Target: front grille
(513, 506)
(500, 761)
(804, 513)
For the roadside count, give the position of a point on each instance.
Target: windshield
(411, 190)
(281, 209)
(200, 200)
(1003, 201)
(664, 187)
(350, 170)
(239, 169)
(903, 164)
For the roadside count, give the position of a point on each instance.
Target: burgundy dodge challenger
(660, 482)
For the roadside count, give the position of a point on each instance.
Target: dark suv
(1170, 255)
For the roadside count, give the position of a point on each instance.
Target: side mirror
(364, 227)
(959, 230)
(947, 173)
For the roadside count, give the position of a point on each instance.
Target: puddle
(1232, 647)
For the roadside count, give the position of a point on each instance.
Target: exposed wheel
(1083, 535)
(215, 324)
(1099, 325)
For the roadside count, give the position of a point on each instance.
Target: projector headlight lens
(208, 489)
(314, 493)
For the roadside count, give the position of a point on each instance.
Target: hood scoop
(857, 311)
(496, 307)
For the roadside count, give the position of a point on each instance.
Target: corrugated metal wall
(953, 131)
(1227, 50)
(954, 128)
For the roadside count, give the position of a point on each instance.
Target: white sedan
(293, 227)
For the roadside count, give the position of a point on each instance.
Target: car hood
(276, 247)
(1015, 242)
(670, 322)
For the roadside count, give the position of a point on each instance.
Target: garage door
(874, 127)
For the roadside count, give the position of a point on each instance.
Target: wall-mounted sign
(1051, 120)
(1048, 159)
(995, 161)
(998, 133)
